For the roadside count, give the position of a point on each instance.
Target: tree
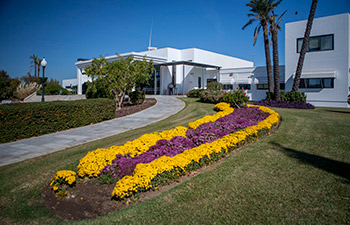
(29, 78)
(122, 75)
(7, 85)
(34, 63)
(260, 12)
(304, 46)
(39, 65)
(274, 27)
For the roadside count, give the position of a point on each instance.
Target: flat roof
(188, 63)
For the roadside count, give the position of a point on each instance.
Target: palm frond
(256, 33)
(249, 23)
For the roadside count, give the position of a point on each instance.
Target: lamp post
(43, 79)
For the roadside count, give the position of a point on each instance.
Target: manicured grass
(299, 174)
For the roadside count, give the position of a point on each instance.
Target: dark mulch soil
(128, 108)
(90, 199)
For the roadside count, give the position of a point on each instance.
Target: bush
(52, 88)
(137, 97)
(285, 104)
(195, 93)
(98, 89)
(211, 96)
(236, 98)
(288, 96)
(215, 86)
(24, 90)
(24, 120)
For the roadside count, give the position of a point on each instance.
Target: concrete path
(29, 148)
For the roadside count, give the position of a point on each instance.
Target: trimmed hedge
(24, 120)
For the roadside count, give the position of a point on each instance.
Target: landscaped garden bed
(154, 160)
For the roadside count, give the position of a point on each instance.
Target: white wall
(321, 61)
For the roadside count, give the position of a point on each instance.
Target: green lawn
(299, 174)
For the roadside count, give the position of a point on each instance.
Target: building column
(79, 78)
(183, 79)
(218, 75)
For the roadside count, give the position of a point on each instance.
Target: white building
(187, 69)
(325, 74)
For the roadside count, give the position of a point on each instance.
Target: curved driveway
(29, 148)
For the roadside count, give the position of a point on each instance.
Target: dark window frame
(245, 86)
(304, 83)
(227, 87)
(266, 86)
(316, 50)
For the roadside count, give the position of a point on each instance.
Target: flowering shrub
(195, 93)
(236, 98)
(61, 179)
(145, 175)
(285, 104)
(211, 96)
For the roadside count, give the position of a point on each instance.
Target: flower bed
(155, 158)
(285, 104)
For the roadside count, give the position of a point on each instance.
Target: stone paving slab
(37, 146)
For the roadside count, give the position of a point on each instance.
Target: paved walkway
(29, 148)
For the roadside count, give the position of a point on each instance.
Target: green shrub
(211, 96)
(52, 88)
(137, 97)
(236, 98)
(215, 86)
(294, 96)
(288, 96)
(98, 89)
(24, 120)
(195, 93)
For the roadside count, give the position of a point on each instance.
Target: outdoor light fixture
(43, 79)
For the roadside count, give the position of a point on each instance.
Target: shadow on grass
(337, 111)
(332, 166)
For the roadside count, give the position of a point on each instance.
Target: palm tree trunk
(276, 72)
(35, 70)
(267, 57)
(304, 46)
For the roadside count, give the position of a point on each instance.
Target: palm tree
(260, 12)
(34, 63)
(39, 64)
(274, 27)
(304, 46)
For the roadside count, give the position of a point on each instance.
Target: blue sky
(64, 30)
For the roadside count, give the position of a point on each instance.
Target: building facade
(325, 76)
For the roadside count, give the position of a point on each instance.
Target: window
(266, 87)
(262, 87)
(228, 86)
(244, 86)
(210, 80)
(199, 82)
(317, 43)
(317, 83)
